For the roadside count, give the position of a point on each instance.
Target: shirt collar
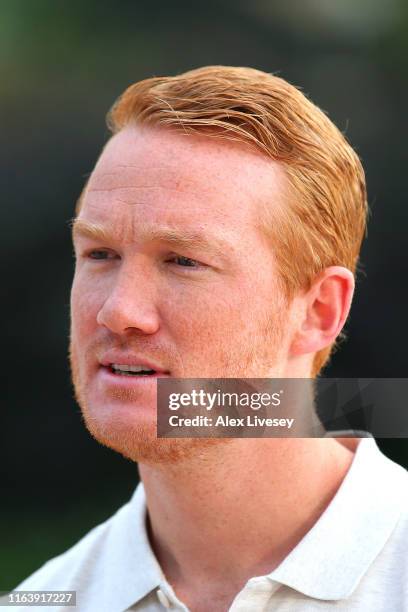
(329, 562)
(133, 568)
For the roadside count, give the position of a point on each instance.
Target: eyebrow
(86, 229)
(187, 239)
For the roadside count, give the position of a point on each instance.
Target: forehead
(171, 178)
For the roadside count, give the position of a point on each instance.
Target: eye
(185, 262)
(100, 254)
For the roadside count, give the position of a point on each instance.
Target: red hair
(325, 220)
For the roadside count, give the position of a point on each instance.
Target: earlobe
(326, 306)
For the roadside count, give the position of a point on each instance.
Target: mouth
(128, 382)
(125, 369)
(131, 370)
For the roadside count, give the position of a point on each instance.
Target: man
(218, 236)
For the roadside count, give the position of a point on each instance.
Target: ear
(324, 310)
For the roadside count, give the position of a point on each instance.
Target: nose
(130, 305)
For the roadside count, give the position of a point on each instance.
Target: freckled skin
(225, 319)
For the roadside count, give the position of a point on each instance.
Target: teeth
(130, 368)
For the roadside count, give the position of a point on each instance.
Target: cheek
(202, 313)
(86, 301)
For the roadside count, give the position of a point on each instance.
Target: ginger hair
(324, 221)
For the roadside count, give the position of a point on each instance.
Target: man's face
(181, 280)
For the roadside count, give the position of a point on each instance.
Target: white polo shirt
(355, 557)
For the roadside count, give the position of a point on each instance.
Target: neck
(250, 499)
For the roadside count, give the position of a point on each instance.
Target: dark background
(62, 65)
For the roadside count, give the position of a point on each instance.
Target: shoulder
(110, 568)
(388, 573)
(396, 492)
(71, 569)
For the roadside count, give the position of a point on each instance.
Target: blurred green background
(62, 65)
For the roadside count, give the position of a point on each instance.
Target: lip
(126, 358)
(119, 381)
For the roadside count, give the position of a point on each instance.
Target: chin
(128, 426)
(138, 441)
